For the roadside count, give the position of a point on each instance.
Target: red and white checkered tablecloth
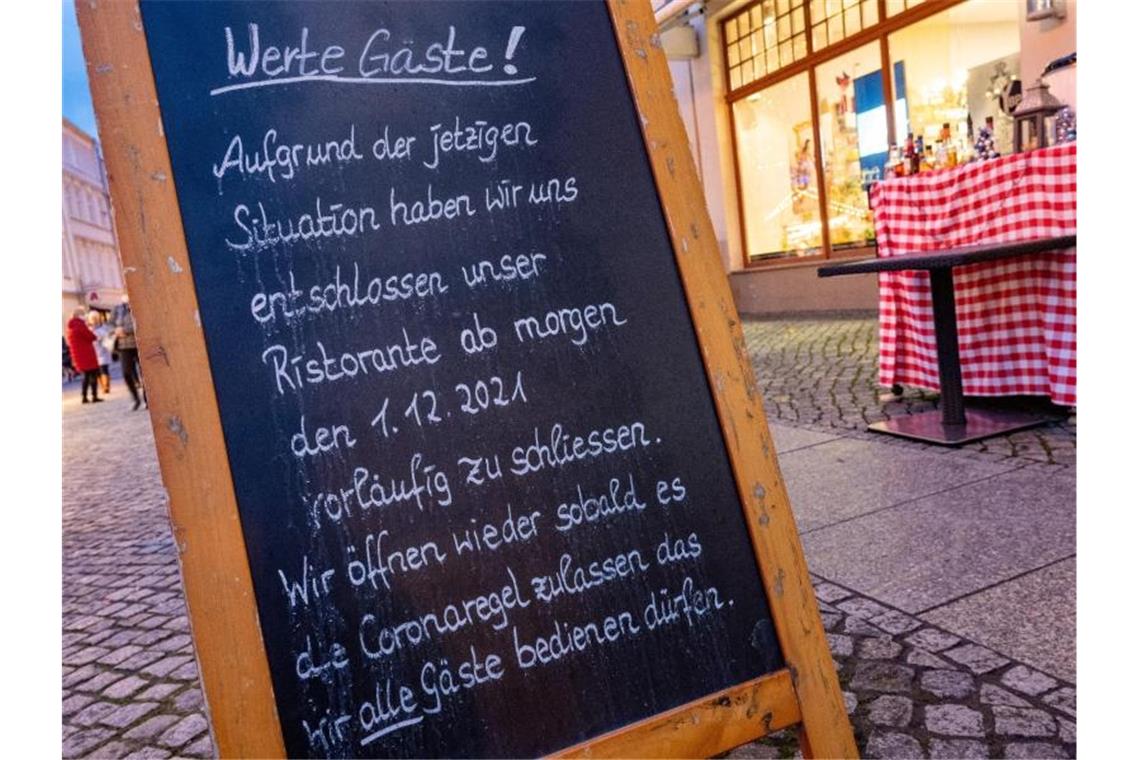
(1017, 318)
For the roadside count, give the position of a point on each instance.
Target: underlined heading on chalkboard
(381, 61)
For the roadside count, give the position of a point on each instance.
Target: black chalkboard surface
(484, 493)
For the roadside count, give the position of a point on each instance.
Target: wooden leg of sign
(733, 384)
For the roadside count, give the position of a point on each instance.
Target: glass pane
(745, 26)
(733, 54)
(852, 139)
(849, 3)
(952, 71)
(819, 36)
(785, 53)
(730, 33)
(773, 60)
(757, 47)
(770, 11)
(799, 46)
(835, 28)
(757, 17)
(798, 22)
(778, 171)
(758, 65)
(770, 35)
(784, 28)
(734, 78)
(817, 13)
(870, 13)
(833, 7)
(851, 22)
(895, 6)
(782, 6)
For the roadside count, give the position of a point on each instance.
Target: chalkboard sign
(487, 504)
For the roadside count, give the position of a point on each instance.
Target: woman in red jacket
(81, 343)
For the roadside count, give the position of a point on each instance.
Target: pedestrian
(104, 347)
(128, 349)
(81, 345)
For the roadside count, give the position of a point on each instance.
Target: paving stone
(184, 731)
(120, 654)
(924, 659)
(896, 622)
(932, 639)
(75, 702)
(958, 749)
(100, 682)
(187, 672)
(147, 638)
(128, 714)
(159, 691)
(829, 592)
(204, 747)
(164, 666)
(1035, 751)
(882, 676)
(152, 727)
(894, 745)
(81, 743)
(954, 720)
(1023, 721)
(125, 687)
(148, 753)
(995, 695)
(1067, 730)
(864, 608)
(93, 713)
(140, 660)
(976, 658)
(860, 627)
(879, 648)
(952, 684)
(830, 620)
(891, 710)
(175, 642)
(840, 645)
(84, 656)
(1027, 681)
(1063, 699)
(113, 749)
(754, 751)
(190, 700)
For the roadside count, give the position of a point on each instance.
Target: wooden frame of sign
(196, 470)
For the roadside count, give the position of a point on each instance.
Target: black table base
(929, 427)
(954, 424)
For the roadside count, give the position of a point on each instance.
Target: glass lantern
(1034, 119)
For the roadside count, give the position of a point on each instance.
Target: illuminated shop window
(779, 195)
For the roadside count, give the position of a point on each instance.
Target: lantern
(1033, 119)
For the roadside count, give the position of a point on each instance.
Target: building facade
(92, 275)
(791, 107)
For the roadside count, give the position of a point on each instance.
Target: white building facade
(92, 275)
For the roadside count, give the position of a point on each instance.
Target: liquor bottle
(909, 155)
(919, 153)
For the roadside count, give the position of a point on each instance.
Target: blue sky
(76, 95)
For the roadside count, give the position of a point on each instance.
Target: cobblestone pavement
(130, 680)
(914, 690)
(822, 374)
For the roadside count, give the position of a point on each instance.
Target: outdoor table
(1016, 317)
(954, 424)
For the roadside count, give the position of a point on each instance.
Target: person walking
(104, 340)
(81, 344)
(128, 349)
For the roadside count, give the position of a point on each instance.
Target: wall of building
(92, 275)
(797, 289)
(1045, 41)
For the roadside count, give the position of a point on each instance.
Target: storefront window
(957, 68)
(898, 6)
(779, 196)
(853, 138)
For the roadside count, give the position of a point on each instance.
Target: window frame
(877, 32)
